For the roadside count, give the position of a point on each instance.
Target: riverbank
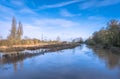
(8, 57)
(39, 46)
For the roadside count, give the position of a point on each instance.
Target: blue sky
(65, 18)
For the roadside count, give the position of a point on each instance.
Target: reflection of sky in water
(66, 64)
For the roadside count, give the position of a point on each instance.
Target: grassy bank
(37, 46)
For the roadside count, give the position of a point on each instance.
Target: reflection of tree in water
(18, 58)
(14, 62)
(15, 66)
(73, 51)
(21, 64)
(79, 48)
(18, 63)
(112, 60)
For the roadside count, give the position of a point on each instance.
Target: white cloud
(88, 4)
(84, 4)
(97, 18)
(50, 29)
(108, 2)
(6, 10)
(27, 10)
(59, 4)
(32, 31)
(97, 3)
(4, 28)
(17, 2)
(55, 22)
(66, 13)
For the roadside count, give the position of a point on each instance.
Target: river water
(81, 62)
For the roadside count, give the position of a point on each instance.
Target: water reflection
(17, 58)
(78, 63)
(112, 59)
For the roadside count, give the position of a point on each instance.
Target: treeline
(109, 36)
(15, 37)
(26, 42)
(20, 42)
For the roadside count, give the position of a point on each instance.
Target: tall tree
(12, 35)
(19, 31)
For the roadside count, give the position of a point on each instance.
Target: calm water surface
(78, 63)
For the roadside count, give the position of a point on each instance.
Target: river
(81, 62)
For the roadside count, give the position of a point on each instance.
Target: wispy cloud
(88, 4)
(21, 8)
(6, 12)
(50, 28)
(84, 4)
(17, 2)
(4, 9)
(97, 18)
(98, 3)
(4, 28)
(56, 22)
(59, 4)
(27, 11)
(108, 2)
(66, 13)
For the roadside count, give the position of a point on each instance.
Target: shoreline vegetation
(107, 38)
(53, 46)
(16, 42)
